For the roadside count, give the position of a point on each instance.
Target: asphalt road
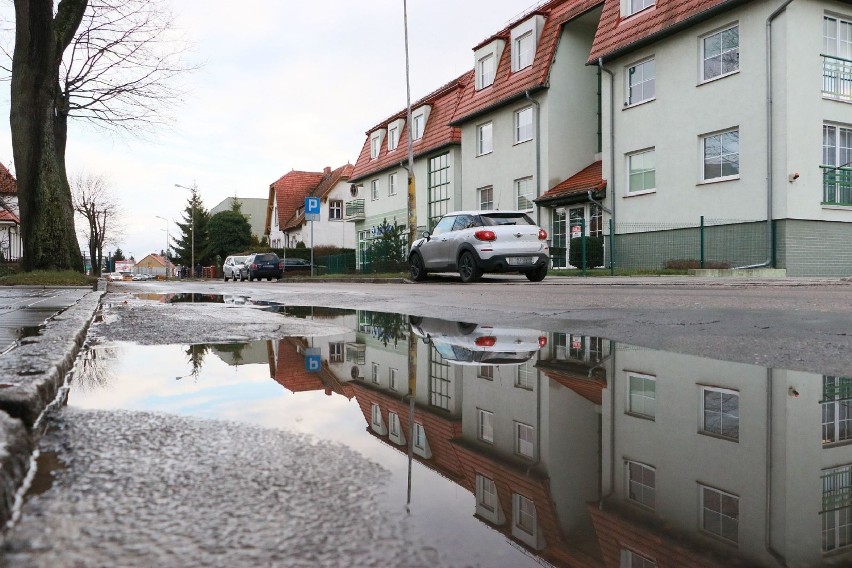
(801, 324)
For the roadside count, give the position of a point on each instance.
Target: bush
(594, 252)
(687, 263)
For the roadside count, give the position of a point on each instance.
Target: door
(577, 224)
(434, 250)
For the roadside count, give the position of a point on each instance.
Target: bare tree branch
(100, 213)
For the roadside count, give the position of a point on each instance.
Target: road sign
(313, 359)
(576, 232)
(312, 208)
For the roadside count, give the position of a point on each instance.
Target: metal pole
(312, 247)
(583, 242)
(611, 248)
(412, 190)
(701, 241)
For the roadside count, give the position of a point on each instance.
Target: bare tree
(112, 63)
(100, 213)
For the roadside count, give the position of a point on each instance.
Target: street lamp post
(168, 244)
(193, 189)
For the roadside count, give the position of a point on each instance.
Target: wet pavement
(350, 437)
(23, 310)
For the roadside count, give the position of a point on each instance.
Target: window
(375, 146)
(641, 82)
(486, 426)
(485, 372)
(484, 141)
(375, 375)
(525, 440)
(393, 381)
(720, 53)
(392, 184)
(836, 406)
(630, 559)
(643, 395)
(419, 122)
(335, 352)
(720, 513)
(486, 197)
(526, 375)
(419, 436)
(523, 125)
(374, 189)
(641, 484)
(524, 514)
(836, 159)
(721, 155)
(642, 171)
(393, 138)
(335, 210)
(377, 416)
(393, 420)
(523, 51)
(524, 194)
(837, 53)
(486, 494)
(439, 380)
(720, 413)
(836, 508)
(485, 71)
(634, 6)
(439, 188)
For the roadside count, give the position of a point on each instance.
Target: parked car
(262, 265)
(299, 265)
(114, 276)
(473, 242)
(233, 267)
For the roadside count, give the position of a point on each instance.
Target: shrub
(594, 252)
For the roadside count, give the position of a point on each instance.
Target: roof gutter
(537, 153)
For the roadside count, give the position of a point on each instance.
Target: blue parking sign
(313, 359)
(312, 205)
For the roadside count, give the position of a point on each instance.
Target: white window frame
(486, 69)
(376, 416)
(523, 128)
(525, 375)
(336, 352)
(702, 41)
(419, 121)
(836, 514)
(485, 204)
(393, 424)
(374, 376)
(520, 512)
(646, 494)
(335, 209)
(631, 409)
(392, 183)
(524, 447)
(393, 138)
(632, 559)
(375, 145)
(419, 436)
(485, 488)
(374, 190)
(485, 434)
(523, 51)
(703, 515)
(703, 155)
(393, 379)
(520, 185)
(640, 68)
(628, 8)
(703, 411)
(643, 171)
(485, 138)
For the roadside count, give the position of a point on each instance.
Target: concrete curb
(30, 377)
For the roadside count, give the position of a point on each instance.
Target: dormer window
(525, 41)
(631, 7)
(485, 71)
(393, 138)
(376, 143)
(419, 118)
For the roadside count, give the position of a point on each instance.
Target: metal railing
(836, 488)
(836, 185)
(836, 77)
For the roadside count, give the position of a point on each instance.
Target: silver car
(233, 268)
(473, 242)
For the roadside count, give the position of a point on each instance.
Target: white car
(473, 242)
(115, 276)
(463, 343)
(232, 268)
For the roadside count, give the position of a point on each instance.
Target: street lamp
(193, 189)
(168, 243)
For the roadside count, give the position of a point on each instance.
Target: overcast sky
(284, 85)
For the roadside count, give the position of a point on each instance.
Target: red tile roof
(589, 178)
(289, 192)
(510, 86)
(6, 215)
(436, 134)
(590, 388)
(329, 181)
(616, 34)
(8, 185)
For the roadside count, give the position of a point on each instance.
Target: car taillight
(253, 266)
(485, 341)
(281, 265)
(542, 235)
(542, 341)
(485, 235)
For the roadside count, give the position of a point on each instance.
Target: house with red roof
(11, 247)
(529, 119)
(155, 264)
(379, 190)
(286, 225)
(737, 111)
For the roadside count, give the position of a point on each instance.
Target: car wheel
(537, 274)
(468, 268)
(225, 277)
(269, 278)
(416, 268)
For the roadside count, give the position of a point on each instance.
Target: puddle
(534, 447)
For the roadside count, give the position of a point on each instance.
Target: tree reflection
(93, 370)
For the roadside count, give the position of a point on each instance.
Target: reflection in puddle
(48, 465)
(573, 450)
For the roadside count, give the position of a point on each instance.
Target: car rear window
(266, 258)
(239, 259)
(506, 219)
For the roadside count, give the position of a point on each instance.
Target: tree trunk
(44, 196)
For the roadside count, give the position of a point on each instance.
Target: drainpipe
(611, 180)
(768, 513)
(537, 154)
(598, 203)
(771, 17)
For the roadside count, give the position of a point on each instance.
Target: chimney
(327, 170)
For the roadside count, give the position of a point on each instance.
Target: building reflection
(584, 452)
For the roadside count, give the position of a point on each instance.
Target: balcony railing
(836, 185)
(837, 77)
(355, 209)
(836, 488)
